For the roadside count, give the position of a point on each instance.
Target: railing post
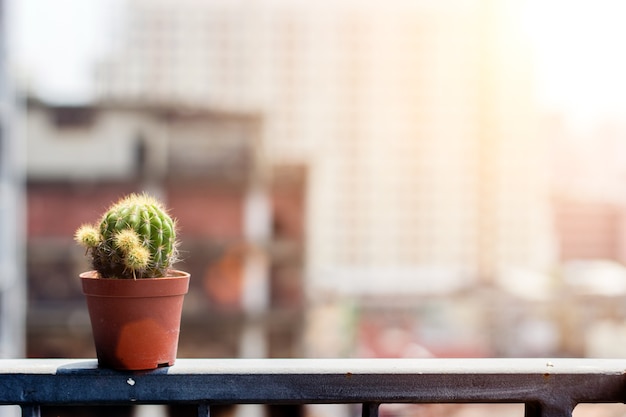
(31, 411)
(547, 410)
(204, 410)
(370, 410)
(532, 410)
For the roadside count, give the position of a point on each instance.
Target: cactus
(135, 238)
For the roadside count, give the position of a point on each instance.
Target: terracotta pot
(135, 323)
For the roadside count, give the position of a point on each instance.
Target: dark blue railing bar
(548, 387)
(369, 410)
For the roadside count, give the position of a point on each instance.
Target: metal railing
(547, 387)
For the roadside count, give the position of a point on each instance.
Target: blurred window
(70, 117)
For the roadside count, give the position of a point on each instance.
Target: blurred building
(591, 230)
(416, 118)
(589, 207)
(588, 173)
(205, 166)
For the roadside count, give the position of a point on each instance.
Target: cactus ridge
(137, 239)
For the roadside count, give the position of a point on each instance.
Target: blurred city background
(406, 178)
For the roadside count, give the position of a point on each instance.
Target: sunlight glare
(580, 65)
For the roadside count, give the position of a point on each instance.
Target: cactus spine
(135, 238)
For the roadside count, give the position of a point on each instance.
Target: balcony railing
(547, 387)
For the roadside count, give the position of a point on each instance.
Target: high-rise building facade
(416, 119)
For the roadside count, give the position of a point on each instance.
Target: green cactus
(136, 238)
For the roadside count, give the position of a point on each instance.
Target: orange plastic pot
(135, 323)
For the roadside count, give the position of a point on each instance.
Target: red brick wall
(207, 211)
(56, 210)
(289, 188)
(588, 230)
(288, 213)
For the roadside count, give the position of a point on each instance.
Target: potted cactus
(134, 297)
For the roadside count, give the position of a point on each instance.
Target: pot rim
(176, 283)
(171, 273)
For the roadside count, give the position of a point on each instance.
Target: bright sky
(579, 45)
(56, 41)
(580, 56)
